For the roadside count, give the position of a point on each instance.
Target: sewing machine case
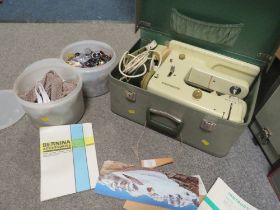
(245, 30)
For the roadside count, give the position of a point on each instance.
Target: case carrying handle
(162, 127)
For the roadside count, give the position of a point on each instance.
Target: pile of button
(88, 59)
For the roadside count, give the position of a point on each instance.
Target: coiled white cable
(128, 68)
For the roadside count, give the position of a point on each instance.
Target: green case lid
(245, 29)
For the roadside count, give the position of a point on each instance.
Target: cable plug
(151, 45)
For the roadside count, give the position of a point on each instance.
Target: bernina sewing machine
(202, 79)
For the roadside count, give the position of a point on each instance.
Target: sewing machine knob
(235, 90)
(182, 56)
(197, 94)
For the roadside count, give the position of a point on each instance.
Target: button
(70, 56)
(88, 59)
(197, 94)
(235, 90)
(182, 56)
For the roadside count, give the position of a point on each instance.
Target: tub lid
(10, 110)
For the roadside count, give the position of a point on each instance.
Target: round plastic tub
(95, 79)
(66, 110)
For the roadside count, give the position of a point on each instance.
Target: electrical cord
(130, 63)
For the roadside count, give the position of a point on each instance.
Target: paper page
(153, 163)
(168, 190)
(149, 163)
(68, 160)
(222, 197)
(130, 205)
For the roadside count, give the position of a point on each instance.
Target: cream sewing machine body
(203, 80)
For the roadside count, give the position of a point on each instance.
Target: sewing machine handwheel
(146, 78)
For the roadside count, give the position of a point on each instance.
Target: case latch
(264, 136)
(130, 95)
(207, 125)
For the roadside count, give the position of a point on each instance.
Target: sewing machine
(204, 80)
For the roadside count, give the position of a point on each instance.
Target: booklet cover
(222, 197)
(168, 190)
(131, 205)
(68, 160)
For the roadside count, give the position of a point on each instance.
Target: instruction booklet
(222, 197)
(68, 160)
(169, 190)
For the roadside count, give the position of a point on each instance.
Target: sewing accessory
(41, 94)
(88, 59)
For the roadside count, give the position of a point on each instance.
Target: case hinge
(143, 24)
(264, 136)
(264, 56)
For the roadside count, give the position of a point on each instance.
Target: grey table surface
(244, 169)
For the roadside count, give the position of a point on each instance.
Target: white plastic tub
(95, 79)
(66, 110)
